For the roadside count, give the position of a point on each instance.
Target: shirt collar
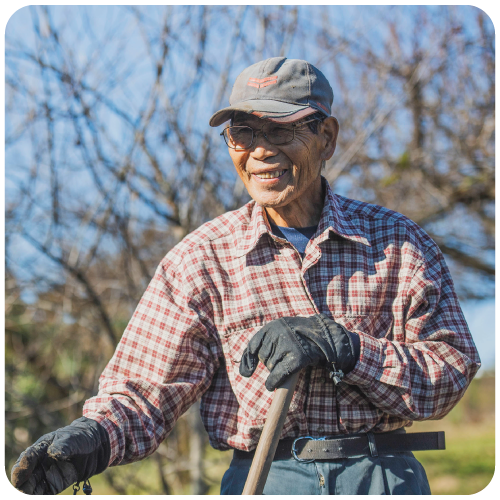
(333, 218)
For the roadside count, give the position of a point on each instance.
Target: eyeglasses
(242, 136)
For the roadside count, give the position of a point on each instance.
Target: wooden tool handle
(270, 436)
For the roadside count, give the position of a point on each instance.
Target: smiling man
(355, 297)
(280, 163)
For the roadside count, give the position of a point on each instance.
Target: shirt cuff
(368, 367)
(113, 433)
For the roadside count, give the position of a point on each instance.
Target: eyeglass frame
(256, 131)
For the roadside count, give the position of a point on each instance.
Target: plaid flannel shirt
(370, 269)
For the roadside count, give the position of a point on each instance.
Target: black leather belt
(307, 449)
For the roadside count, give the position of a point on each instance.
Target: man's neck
(305, 211)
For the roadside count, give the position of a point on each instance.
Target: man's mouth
(270, 175)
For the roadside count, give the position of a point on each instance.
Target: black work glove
(63, 457)
(287, 345)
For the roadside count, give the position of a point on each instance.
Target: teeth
(270, 175)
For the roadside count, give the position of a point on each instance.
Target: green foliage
(389, 180)
(404, 161)
(28, 385)
(50, 369)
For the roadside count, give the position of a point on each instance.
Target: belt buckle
(294, 450)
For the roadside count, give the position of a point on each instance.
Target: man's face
(298, 162)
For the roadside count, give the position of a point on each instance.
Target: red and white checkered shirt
(370, 269)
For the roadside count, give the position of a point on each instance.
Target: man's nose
(261, 147)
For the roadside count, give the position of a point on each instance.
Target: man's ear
(329, 129)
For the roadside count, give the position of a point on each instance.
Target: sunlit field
(468, 463)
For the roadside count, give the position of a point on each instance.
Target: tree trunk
(197, 443)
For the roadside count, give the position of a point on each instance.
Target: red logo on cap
(322, 107)
(258, 83)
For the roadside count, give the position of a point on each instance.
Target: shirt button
(322, 380)
(320, 429)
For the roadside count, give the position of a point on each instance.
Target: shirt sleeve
(164, 362)
(425, 374)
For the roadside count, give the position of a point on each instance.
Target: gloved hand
(63, 457)
(287, 345)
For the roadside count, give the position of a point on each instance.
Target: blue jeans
(394, 474)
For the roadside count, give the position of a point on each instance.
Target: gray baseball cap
(279, 89)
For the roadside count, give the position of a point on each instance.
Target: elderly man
(355, 297)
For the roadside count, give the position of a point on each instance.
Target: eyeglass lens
(240, 137)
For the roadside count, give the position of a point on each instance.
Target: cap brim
(270, 109)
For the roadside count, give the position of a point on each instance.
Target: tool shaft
(269, 438)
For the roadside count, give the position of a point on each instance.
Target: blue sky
(480, 317)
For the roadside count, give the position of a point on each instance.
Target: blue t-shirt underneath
(299, 238)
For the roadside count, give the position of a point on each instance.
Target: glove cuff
(340, 341)
(102, 452)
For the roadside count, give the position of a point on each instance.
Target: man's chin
(270, 199)
(270, 203)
